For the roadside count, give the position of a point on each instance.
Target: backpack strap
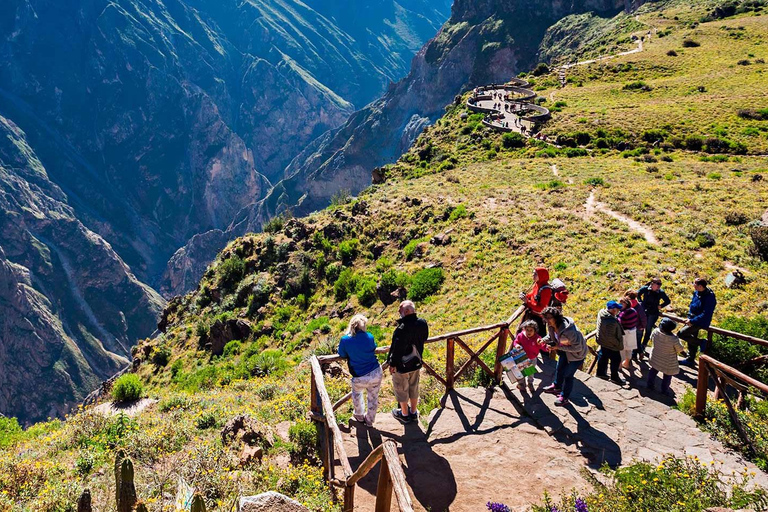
(542, 288)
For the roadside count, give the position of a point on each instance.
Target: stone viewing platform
(509, 107)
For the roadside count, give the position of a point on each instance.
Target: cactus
(198, 505)
(119, 457)
(84, 502)
(127, 496)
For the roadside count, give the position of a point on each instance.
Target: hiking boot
(358, 418)
(604, 377)
(688, 363)
(398, 415)
(552, 390)
(561, 402)
(414, 415)
(618, 380)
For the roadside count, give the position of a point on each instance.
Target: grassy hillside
(501, 209)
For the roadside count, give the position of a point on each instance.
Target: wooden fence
(391, 475)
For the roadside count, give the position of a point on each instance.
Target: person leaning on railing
(359, 349)
(572, 349)
(405, 361)
(700, 313)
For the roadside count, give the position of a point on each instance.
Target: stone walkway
(477, 448)
(515, 122)
(616, 425)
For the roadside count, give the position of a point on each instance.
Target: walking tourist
(405, 361)
(610, 337)
(663, 358)
(532, 343)
(572, 347)
(358, 347)
(653, 299)
(700, 312)
(629, 320)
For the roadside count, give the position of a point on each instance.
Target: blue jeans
(564, 375)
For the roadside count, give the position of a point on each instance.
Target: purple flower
(497, 507)
(581, 505)
(554, 509)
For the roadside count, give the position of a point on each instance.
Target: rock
(250, 455)
(332, 369)
(735, 279)
(464, 115)
(399, 294)
(378, 176)
(360, 208)
(270, 502)
(222, 333)
(671, 270)
(441, 239)
(385, 294)
(296, 229)
(378, 250)
(248, 430)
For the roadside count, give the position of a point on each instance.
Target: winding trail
(593, 205)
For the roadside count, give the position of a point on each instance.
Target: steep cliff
(483, 42)
(70, 308)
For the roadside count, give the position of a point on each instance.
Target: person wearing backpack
(543, 294)
(405, 361)
(610, 337)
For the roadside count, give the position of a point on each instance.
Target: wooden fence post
(313, 395)
(450, 351)
(349, 498)
(384, 488)
(702, 386)
(501, 349)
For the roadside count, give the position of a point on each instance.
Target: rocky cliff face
(484, 41)
(70, 308)
(145, 123)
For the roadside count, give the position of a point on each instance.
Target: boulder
(270, 502)
(735, 279)
(360, 208)
(332, 369)
(251, 455)
(222, 332)
(247, 429)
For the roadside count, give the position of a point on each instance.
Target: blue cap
(612, 304)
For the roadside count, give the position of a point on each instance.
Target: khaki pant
(406, 385)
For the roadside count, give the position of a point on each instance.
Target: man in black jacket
(404, 360)
(653, 299)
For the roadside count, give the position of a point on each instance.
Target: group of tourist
(624, 329)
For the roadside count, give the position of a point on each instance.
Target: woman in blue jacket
(700, 313)
(359, 349)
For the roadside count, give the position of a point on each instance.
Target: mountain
(70, 308)
(158, 120)
(482, 42)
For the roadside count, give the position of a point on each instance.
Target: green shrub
(653, 136)
(540, 69)
(410, 247)
(704, 239)
(714, 176)
(206, 420)
(231, 272)
(638, 85)
(181, 401)
(460, 212)
(575, 152)
(84, 464)
(550, 185)
(393, 279)
(595, 182)
(736, 218)
(344, 285)
(694, 143)
(759, 236)
(366, 291)
(127, 387)
(266, 363)
(304, 441)
(348, 251)
(161, 355)
(690, 43)
(233, 348)
(673, 485)
(10, 431)
(735, 352)
(425, 283)
(274, 225)
(512, 140)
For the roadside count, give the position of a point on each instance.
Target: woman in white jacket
(666, 347)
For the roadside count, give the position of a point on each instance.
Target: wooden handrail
(722, 332)
(330, 418)
(397, 476)
(734, 372)
(368, 464)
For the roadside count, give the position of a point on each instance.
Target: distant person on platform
(653, 299)
(629, 320)
(359, 349)
(642, 322)
(405, 361)
(700, 313)
(572, 349)
(610, 337)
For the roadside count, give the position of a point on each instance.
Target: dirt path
(471, 452)
(593, 205)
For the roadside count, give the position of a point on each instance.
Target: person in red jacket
(538, 298)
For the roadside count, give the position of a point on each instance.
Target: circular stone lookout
(508, 107)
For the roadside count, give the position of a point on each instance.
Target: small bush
(410, 249)
(694, 143)
(595, 182)
(174, 402)
(541, 69)
(690, 43)
(231, 272)
(366, 291)
(736, 218)
(161, 356)
(348, 250)
(512, 140)
(127, 387)
(638, 85)
(714, 176)
(266, 363)
(233, 348)
(705, 239)
(304, 439)
(744, 62)
(575, 152)
(550, 185)
(460, 212)
(425, 283)
(672, 53)
(10, 431)
(344, 285)
(206, 420)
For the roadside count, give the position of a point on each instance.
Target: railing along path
(391, 475)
